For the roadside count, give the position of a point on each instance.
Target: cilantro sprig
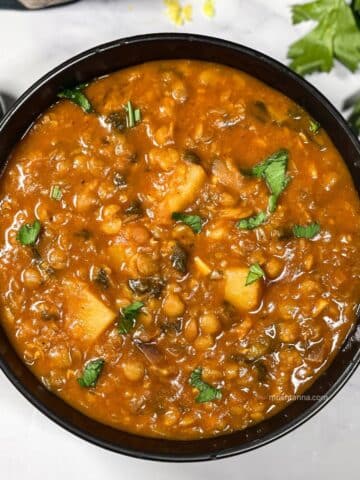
(91, 373)
(306, 231)
(273, 171)
(77, 96)
(195, 222)
(336, 36)
(249, 223)
(28, 233)
(207, 393)
(255, 273)
(128, 316)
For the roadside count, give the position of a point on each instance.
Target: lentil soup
(179, 249)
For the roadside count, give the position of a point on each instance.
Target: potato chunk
(183, 188)
(243, 297)
(86, 316)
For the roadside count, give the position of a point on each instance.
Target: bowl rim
(339, 119)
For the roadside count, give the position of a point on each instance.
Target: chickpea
(134, 370)
(31, 278)
(84, 201)
(171, 417)
(63, 166)
(179, 91)
(203, 342)
(166, 108)
(231, 370)
(41, 212)
(273, 267)
(319, 306)
(183, 234)
(111, 225)
(187, 421)
(80, 162)
(173, 306)
(57, 258)
(191, 330)
(95, 166)
(288, 331)
(164, 135)
(146, 264)
(209, 324)
(138, 233)
(227, 200)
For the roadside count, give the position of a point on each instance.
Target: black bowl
(124, 53)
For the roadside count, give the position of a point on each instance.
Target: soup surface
(179, 249)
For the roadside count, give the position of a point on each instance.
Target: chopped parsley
(273, 171)
(249, 223)
(195, 222)
(29, 233)
(128, 316)
(207, 393)
(314, 127)
(306, 231)
(133, 116)
(56, 193)
(91, 373)
(336, 36)
(255, 273)
(77, 96)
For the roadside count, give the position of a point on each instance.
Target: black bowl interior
(123, 53)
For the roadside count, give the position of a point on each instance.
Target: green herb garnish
(336, 36)
(77, 96)
(354, 117)
(29, 233)
(255, 272)
(128, 317)
(249, 223)
(306, 231)
(133, 116)
(193, 221)
(56, 193)
(91, 373)
(273, 171)
(207, 393)
(314, 127)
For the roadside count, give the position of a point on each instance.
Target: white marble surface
(31, 446)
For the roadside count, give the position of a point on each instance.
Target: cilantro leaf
(77, 96)
(314, 127)
(29, 233)
(195, 222)
(249, 223)
(255, 272)
(91, 373)
(306, 231)
(207, 393)
(128, 317)
(336, 36)
(354, 118)
(273, 170)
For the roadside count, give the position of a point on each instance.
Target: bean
(173, 305)
(31, 278)
(134, 370)
(209, 324)
(203, 342)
